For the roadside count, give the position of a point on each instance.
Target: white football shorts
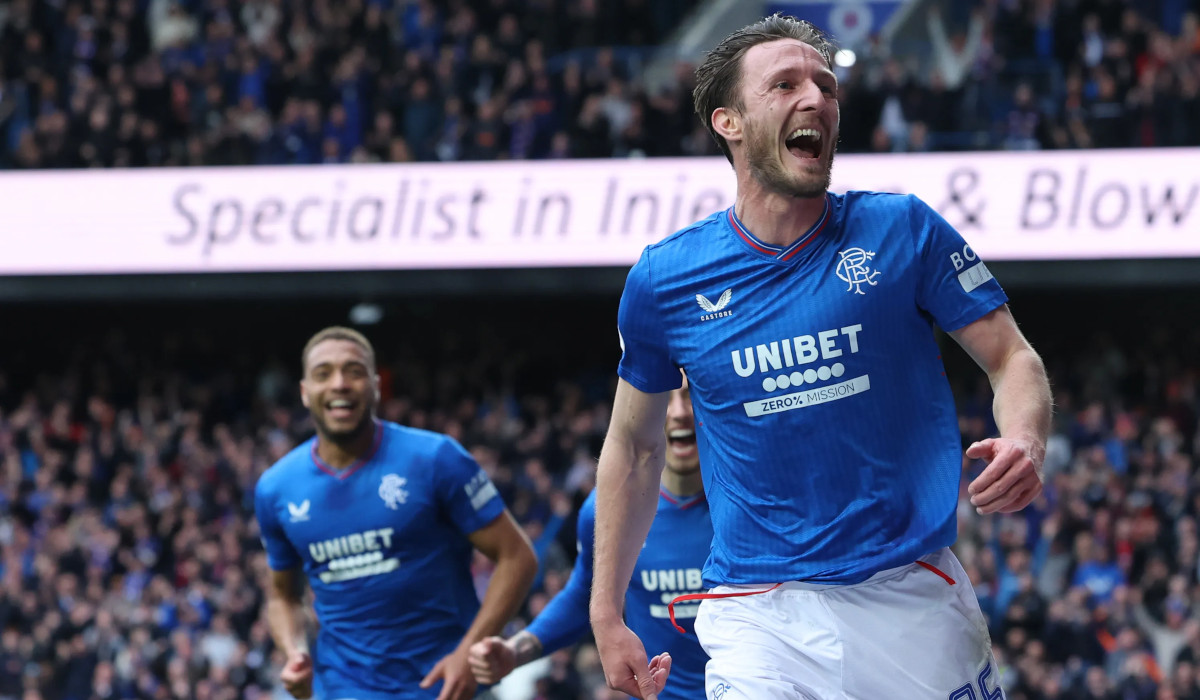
(910, 633)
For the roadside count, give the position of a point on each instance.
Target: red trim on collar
(358, 464)
(746, 237)
(802, 243)
(682, 504)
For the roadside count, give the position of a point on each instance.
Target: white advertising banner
(1009, 206)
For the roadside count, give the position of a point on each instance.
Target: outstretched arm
(631, 464)
(937, 33)
(1022, 408)
(564, 620)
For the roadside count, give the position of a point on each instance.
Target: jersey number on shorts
(967, 691)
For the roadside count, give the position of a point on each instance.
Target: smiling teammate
(668, 566)
(381, 519)
(827, 431)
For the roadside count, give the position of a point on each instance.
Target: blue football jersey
(827, 432)
(384, 546)
(671, 564)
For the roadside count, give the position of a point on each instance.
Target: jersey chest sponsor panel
(670, 565)
(807, 368)
(357, 545)
(819, 392)
(672, 560)
(384, 547)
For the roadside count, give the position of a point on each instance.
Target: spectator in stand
(103, 83)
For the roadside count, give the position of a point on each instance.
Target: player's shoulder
(876, 202)
(419, 445)
(687, 240)
(294, 464)
(877, 216)
(407, 438)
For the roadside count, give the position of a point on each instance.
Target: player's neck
(682, 485)
(342, 454)
(774, 218)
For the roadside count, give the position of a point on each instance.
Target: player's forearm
(1022, 404)
(626, 497)
(564, 620)
(508, 587)
(526, 647)
(285, 622)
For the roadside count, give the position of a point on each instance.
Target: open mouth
(340, 408)
(804, 143)
(682, 442)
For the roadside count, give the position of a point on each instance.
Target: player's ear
(727, 123)
(304, 394)
(377, 384)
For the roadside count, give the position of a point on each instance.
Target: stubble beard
(346, 438)
(767, 168)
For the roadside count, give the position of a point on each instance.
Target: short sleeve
(465, 491)
(281, 555)
(954, 286)
(645, 359)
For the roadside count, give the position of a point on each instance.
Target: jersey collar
(341, 474)
(680, 502)
(774, 251)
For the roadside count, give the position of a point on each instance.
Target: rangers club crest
(854, 270)
(391, 490)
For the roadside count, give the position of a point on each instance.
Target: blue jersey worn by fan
(383, 545)
(830, 448)
(669, 566)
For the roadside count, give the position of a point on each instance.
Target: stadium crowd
(129, 559)
(131, 565)
(103, 83)
(1033, 74)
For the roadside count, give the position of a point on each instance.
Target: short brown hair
(718, 77)
(337, 333)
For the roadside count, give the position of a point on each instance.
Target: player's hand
(491, 660)
(624, 660)
(455, 673)
(297, 675)
(660, 668)
(1012, 478)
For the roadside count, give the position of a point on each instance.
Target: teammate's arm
(493, 658)
(504, 543)
(631, 464)
(562, 622)
(286, 608)
(1022, 407)
(285, 619)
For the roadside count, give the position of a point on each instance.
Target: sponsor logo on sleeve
(480, 490)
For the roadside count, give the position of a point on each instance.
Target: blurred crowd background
(131, 439)
(131, 83)
(131, 435)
